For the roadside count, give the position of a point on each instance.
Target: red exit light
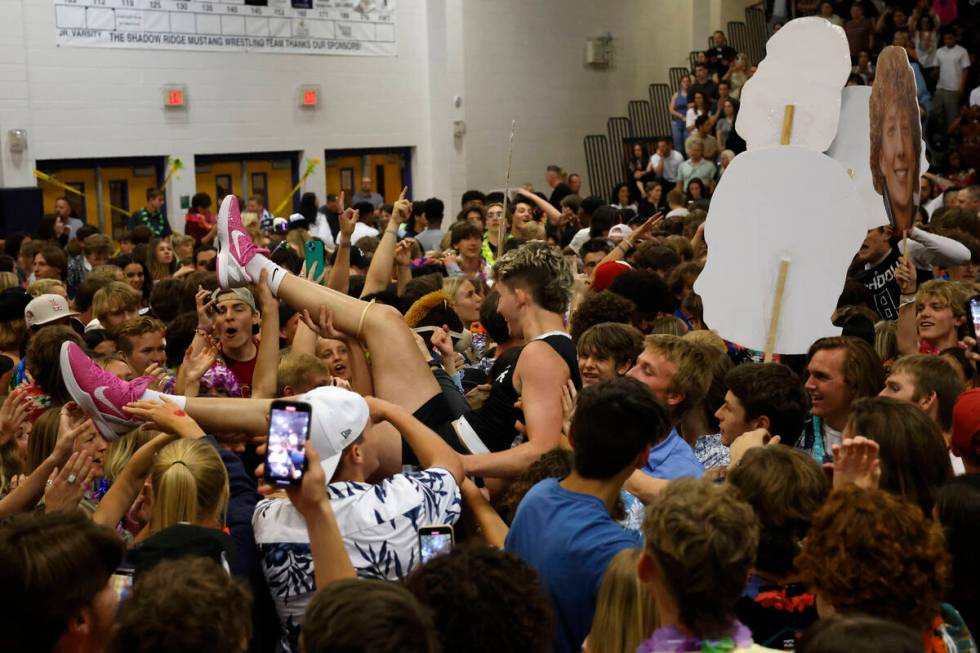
(174, 96)
(309, 98)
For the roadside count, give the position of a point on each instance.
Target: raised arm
(330, 559)
(267, 359)
(906, 332)
(26, 495)
(339, 278)
(310, 329)
(379, 273)
(428, 447)
(554, 215)
(126, 488)
(493, 529)
(628, 244)
(928, 250)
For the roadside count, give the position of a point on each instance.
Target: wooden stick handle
(787, 124)
(777, 307)
(905, 244)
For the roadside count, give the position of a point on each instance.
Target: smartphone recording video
(434, 541)
(973, 310)
(289, 428)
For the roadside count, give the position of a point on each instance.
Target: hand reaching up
(402, 208)
(856, 461)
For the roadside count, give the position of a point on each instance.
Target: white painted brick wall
(506, 58)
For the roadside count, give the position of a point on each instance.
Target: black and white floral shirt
(379, 524)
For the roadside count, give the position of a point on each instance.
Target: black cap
(13, 301)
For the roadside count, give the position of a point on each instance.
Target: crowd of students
(536, 375)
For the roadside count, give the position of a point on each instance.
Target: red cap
(607, 272)
(966, 420)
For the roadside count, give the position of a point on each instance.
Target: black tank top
(494, 420)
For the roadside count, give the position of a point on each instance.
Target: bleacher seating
(607, 155)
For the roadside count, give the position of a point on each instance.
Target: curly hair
(539, 269)
(703, 540)
(599, 307)
(193, 592)
(894, 85)
(869, 551)
(484, 599)
(785, 487)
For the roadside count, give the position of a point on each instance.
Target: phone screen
(434, 542)
(315, 258)
(122, 583)
(974, 307)
(289, 426)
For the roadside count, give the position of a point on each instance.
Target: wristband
(347, 245)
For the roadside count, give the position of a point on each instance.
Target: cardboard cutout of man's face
(895, 137)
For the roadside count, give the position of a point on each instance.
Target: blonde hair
(707, 338)
(190, 484)
(297, 240)
(693, 376)
(886, 340)
(8, 280)
(44, 287)
(113, 297)
(625, 612)
(119, 451)
(295, 367)
(180, 239)
(451, 285)
(539, 269)
(950, 293)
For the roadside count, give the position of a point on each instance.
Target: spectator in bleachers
(727, 137)
(703, 83)
(702, 135)
(666, 162)
(697, 107)
(678, 113)
(953, 61)
(696, 166)
(826, 11)
(860, 30)
(720, 55)
(738, 74)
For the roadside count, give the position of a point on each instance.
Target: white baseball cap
(620, 231)
(46, 308)
(338, 418)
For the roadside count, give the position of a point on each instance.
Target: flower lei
(671, 640)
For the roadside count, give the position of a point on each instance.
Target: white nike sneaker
(235, 246)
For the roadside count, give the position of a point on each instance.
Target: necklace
(670, 639)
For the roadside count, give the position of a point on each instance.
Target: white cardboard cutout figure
(807, 62)
(852, 149)
(785, 201)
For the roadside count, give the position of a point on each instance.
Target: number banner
(344, 27)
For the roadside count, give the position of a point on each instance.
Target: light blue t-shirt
(673, 458)
(569, 538)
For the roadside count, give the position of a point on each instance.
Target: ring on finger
(49, 482)
(72, 478)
